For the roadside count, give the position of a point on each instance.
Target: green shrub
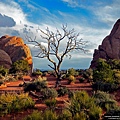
(49, 115)
(72, 72)
(81, 102)
(14, 103)
(105, 100)
(37, 85)
(49, 93)
(71, 79)
(62, 91)
(103, 86)
(36, 115)
(66, 115)
(81, 79)
(51, 103)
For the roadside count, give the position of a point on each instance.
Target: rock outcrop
(15, 48)
(5, 59)
(110, 48)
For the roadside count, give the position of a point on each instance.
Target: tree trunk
(58, 80)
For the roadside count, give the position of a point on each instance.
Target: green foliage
(105, 78)
(14, 103)
(71, 79)
(105, 101)
(49, 115)
(51, 103)
(39, 84)
(34, 116)
(81, 102)
(49, 93)
(66, 115)
(21, 66)
(37, 72)
(62, 91)
(72, 72)
(103, 86)
(82, 79)
(3, 71)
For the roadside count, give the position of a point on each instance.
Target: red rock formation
(5, 59)
(110, 48)
(15, 48)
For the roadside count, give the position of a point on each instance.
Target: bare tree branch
(54, 40)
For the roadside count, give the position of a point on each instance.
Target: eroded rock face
(110, 48)
(15, 48)
(5, 59)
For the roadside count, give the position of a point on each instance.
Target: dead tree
(52, 52)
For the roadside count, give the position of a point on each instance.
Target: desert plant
(3, 71)
(72, 72)
(71, 79)
(82, 79)
(105, 100)
(37, 85)
(49, 93)
(49, 115)
(66, 115)
(14, 102)
(51, 103)
(81, 102)
(36, 115)
(62, 91)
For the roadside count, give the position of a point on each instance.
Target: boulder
(14, 46)
(110, 47)
(5, 59)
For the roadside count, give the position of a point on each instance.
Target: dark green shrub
(103, 86)
(37, 85)
(49, 93)
(14, 103)
(3, 71)
(81, 79)
(105, 100)
(62, 91)
(51, 103)
(49, 115)
(81, 102)
(66, 115)
(36, 115)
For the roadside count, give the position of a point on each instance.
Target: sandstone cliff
(15, 48)
(110, 47)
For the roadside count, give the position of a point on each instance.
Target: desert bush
(14, 103)
(51, 103)
(66, 115)
(62, 91)
(103, 86)
(49, 93)
(49, 115)
(37, 85)
(36, 115)
(71, 79)
(37, 72)
(3, 71)
(82, 79)
(105, 100)
(81, 102)
(72, 72)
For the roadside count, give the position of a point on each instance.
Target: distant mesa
(110, 47)
(12, 48)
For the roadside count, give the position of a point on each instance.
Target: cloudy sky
(93, 19)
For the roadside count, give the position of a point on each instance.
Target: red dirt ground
(39, 105)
